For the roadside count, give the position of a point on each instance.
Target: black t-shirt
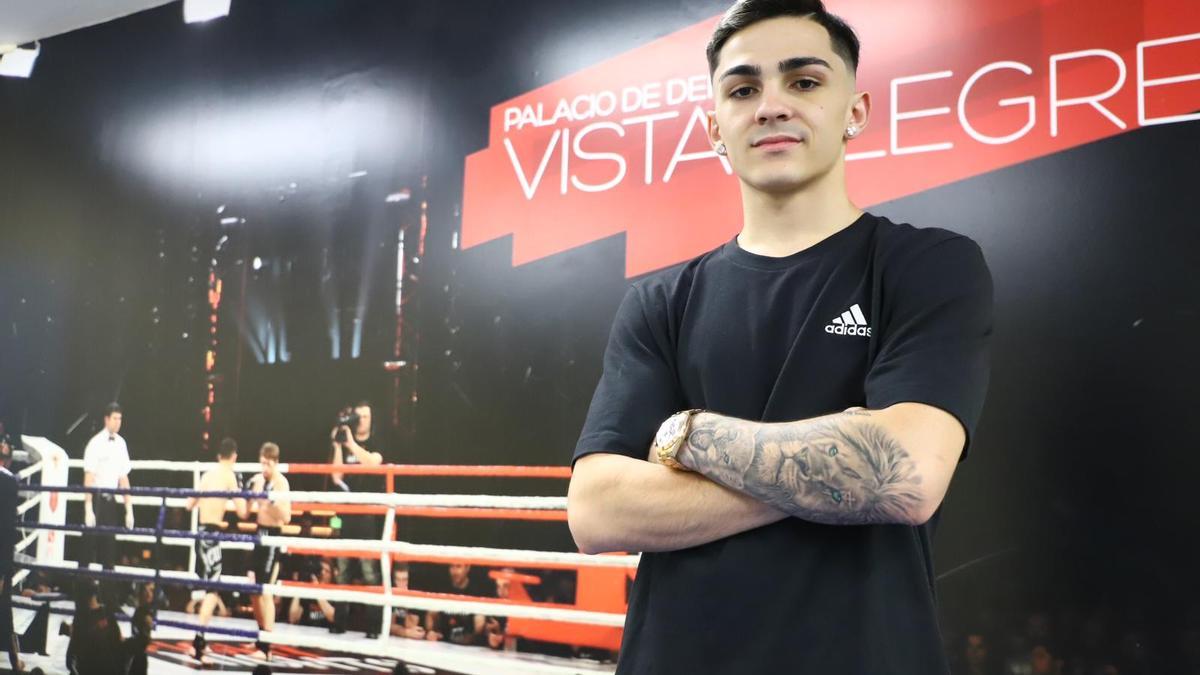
(311, 614)
(477, 584)
(876, 314)
(460, 628)
(363, 527)
(364, 482)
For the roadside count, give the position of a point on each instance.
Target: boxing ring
(594, 620)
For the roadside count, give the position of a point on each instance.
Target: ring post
(158, 539)
(385, 562)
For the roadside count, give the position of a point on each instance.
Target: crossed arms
(858, 467)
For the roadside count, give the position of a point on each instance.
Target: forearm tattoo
(838, 470)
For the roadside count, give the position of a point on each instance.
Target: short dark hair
(269, 451)
(362, 403)
(111, 408)
(228, 448)
(747, 12)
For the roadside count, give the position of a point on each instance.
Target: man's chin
(780, 183)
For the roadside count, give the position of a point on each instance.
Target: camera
(347, 418)
(310, 569)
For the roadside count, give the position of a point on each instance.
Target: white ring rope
(426, 500)
(145, 573)
(150, 539)
(496, 555)
(171, 465)
(611, 619)
(24, 543)
(382, 499)
(30, 470)
(475, 662)
(399, 599)
(29, 504)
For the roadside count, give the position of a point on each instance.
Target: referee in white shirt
(106, 465)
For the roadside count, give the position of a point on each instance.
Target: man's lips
(776, 142)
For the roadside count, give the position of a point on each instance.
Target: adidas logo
(851, 322)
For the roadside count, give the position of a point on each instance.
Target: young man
(831, 366)
(317, 613)
(106, 465)
(458, 628)
(354, 448)
(271, 515)
(405, 622)
(221, 478)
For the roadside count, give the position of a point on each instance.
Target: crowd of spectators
(1100, 639)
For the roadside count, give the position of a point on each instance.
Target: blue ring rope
(254, 589)
(146, 531)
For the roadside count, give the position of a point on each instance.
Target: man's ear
(860, 112)
(714, 131)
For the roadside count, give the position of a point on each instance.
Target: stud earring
(720, 149)
(852, 132)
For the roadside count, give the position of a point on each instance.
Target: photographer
(319, 612)
(351, 441)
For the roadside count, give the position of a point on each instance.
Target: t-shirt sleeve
(938, 327)
(638, 388)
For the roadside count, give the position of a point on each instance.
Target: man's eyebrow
(752, 71)
(798, 62)
(794, 63)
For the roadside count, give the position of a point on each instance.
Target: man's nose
(773, 107)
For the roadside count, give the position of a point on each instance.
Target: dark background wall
(145, 154)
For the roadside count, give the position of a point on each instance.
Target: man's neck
(777, 225)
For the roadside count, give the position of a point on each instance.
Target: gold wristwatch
(670, 437)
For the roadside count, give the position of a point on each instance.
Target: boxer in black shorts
(271, 515)
(212, 520)
(266, 558)
(209, 562)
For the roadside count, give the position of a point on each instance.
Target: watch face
(671, 430)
